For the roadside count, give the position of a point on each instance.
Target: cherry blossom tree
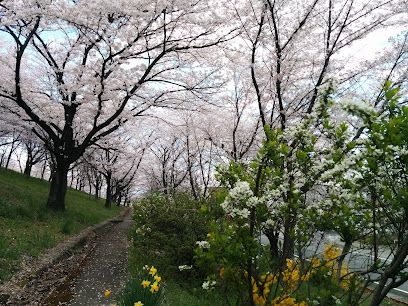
(296, 48)
(171, 171)
(117, 159)
(80, 70)
(35, 153)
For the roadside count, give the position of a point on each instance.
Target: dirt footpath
(106, 268)
(77, 271)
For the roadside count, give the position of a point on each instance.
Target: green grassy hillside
(27, 228)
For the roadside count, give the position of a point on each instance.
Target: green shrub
(166, 231)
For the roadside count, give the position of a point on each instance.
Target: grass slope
(27, 228)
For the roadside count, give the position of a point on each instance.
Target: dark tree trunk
(119, 200)
(164, 179)
(273, 238)
(97, 185)
(28, 165)
(108, 202)
(288, 248)
(27, 169)
(346, 249)
(127, 200)
(389, 278)
(58, 187)
(96, 192)
(2, 159)
(9, 157)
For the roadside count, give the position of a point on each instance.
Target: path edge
(53, 256)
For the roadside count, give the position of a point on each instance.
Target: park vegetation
(303, 183)
(243, 132)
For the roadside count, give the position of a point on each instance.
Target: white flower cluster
(143, 230)
(203, 244)
(185, 267)
(253, 202)
(208, 285)
(240, 191)
(239, 201)
(400, 151)
(359, 106)
(341, 167)
(270, 223)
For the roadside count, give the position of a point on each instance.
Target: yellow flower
(152, 271)
(259, 300)
(157, 278)
(346, 277)
(154, 288)
(266, 289)
(315, 263)
(255, 288)
(107, 293)
(291, 275)
(269, 278)
(330, 255)
(145, 283)
(290, 264)
(138, 304)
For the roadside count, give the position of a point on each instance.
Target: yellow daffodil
(139, 303)
(154, 288)
(145, 283)
(107, 293)
(152, 271)
(157, 278)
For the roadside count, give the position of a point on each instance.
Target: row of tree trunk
(116, 192)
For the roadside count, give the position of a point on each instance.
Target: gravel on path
(106, 269)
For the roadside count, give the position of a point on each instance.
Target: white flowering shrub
(381, 167)
(285, 194)
(317, 176)
(239, 201)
